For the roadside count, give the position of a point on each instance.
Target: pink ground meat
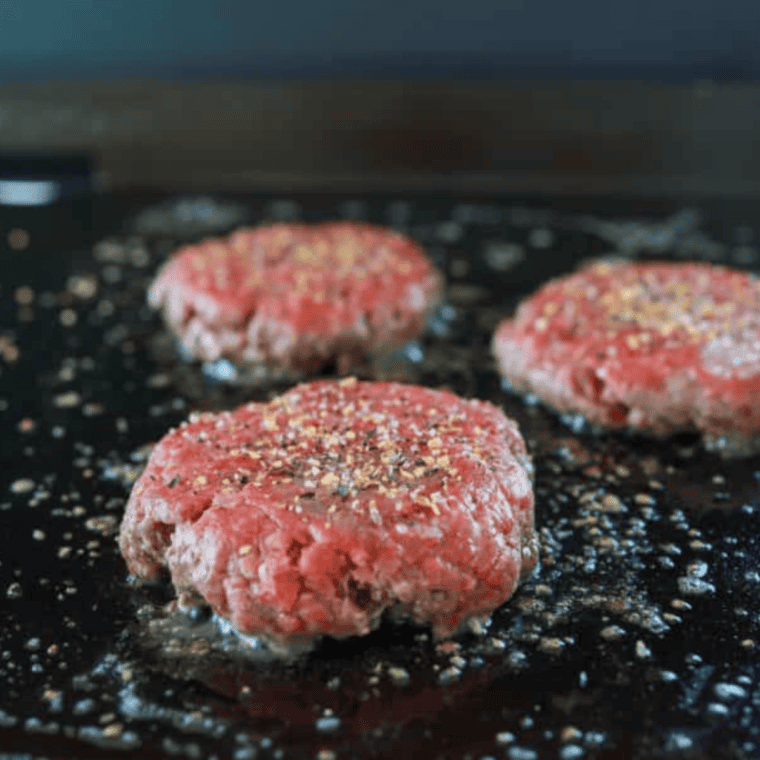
(297, 296)
(659, 347)
(313, 513)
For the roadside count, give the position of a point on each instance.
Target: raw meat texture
(313, 513)
(659, 347)
(297, 296)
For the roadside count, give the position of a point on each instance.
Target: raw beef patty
(297, 296)
(313, 513)
(655, 346)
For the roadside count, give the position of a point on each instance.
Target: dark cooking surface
(638, 637)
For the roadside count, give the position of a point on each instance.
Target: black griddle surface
(638, 637)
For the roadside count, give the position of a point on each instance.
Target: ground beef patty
(313, 513)
(297, 296)
(656, 346)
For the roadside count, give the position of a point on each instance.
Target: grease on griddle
(189, 216)
(603, 636)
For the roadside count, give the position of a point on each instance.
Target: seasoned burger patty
(297, 296)
(659, 347)
(313, 513)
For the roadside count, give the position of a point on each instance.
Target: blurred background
(601, 96)
(650, 39)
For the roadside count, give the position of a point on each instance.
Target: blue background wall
(652, 39)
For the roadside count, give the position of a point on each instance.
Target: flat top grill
(638, 637)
